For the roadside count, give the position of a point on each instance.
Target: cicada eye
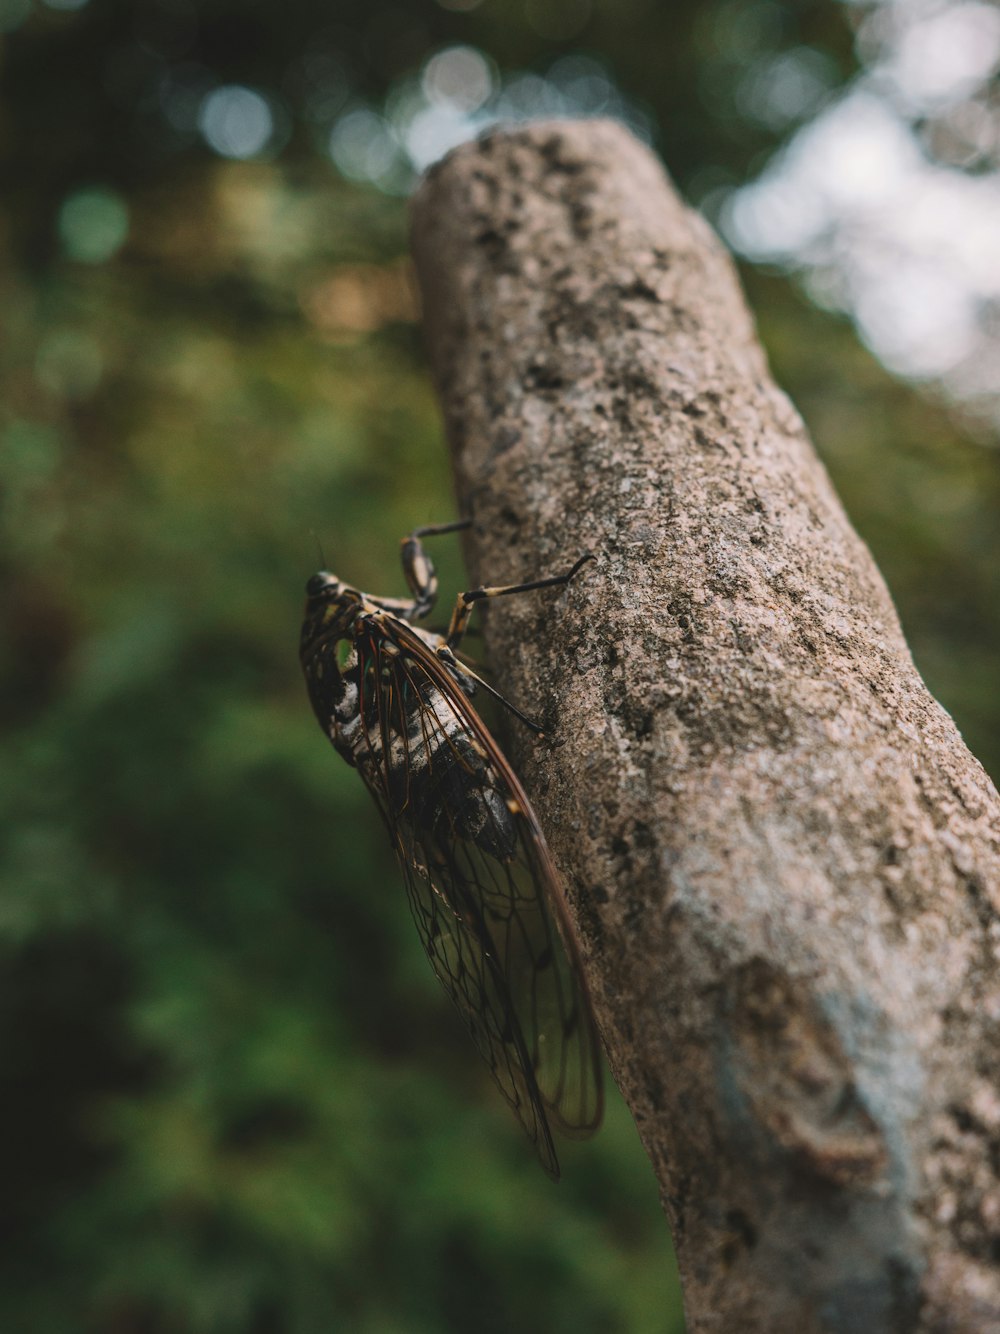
(316, 585)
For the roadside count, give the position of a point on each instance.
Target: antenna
(319, 549)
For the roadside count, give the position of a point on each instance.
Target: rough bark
(784, 863)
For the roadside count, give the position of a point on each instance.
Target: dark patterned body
(424, 761)
(485, 896)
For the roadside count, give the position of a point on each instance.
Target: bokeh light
(940, 54)
(779, 90)
(586, 86)
(878, 227)
(322, 82)
(363, 147)
(93, 225)
(458, 94)
(237, 122)
(434, 131)
(459, 77)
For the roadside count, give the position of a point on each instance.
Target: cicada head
(331, 610)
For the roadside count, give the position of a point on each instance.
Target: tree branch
(784, 863)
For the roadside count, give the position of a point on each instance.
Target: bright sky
(910, 247)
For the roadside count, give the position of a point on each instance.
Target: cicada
(396, 700)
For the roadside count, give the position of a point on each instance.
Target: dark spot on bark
(642, 836)
(581, 216)
(702, 438)
(741, 1224)
(688, 710)
(634, 850)
(635, 912)
(729, 1251)
(491, 241)
(692, 408)
(745, 641)
(552, 151)
(587, 898)
(643, 724)
(641, 384)
(683, 610)
(506, 437)
(984, 909)
(963, 1119)
(654, 1091)
(640, 290)
(543, 377)
(675, 1201)
(510, 521)
(634, 713)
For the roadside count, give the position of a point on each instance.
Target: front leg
(418, 568)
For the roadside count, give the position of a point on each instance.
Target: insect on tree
(396, 702)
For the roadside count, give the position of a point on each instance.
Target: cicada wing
(484, 893)
(463, 956)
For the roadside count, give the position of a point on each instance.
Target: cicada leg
(463, 610)
(466, 601)
(418, 568)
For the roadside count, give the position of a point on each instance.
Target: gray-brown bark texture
(784, 863)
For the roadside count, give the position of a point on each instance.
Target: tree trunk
(784, 864)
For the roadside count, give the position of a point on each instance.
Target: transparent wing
(485, 895)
